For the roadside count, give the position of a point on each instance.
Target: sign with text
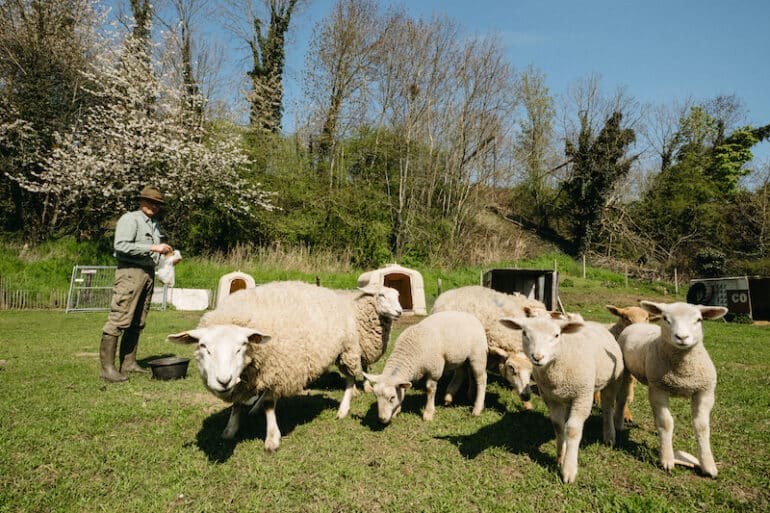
(738, 301)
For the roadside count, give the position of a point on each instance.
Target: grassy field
(70, 442)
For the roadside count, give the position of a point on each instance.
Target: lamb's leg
(608, 396)
(233, 423)
(558, 413)
(272, 433)
(701, 405)
(665, 424)
(367, 385)
(630, 394)
(480, 377)
(350, 385)
(454, 385)
(430, 402)
(622, 398)
(573, 433)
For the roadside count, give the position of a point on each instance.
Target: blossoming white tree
(135, 134)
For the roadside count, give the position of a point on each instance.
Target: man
(138, 249)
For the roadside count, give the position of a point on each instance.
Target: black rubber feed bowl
(170, 367)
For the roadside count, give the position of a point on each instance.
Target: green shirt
(134, 234)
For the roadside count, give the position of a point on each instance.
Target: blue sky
(658, 50)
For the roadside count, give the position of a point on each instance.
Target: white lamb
(505, 345)
(672, 361)
(276, 338)
(571, 360)
(441, 341)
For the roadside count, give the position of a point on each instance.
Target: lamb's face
(389, 399)
(631, 315)
(541, 336)
(517, 370)
(682, 323)
(222, 353)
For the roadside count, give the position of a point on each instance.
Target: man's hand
(161, 248)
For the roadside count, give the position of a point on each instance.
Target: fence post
(676, 282)
(584, 266)
(438, 287)
(625, 273)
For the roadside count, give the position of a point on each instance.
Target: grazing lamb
(672, 361)
(505, 345)
(276, 338)
(441, 341)
(571, 360)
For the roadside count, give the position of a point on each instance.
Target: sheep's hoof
(427, 416)
(527, 405)
(448, 399)
(568, 476)
(271, 447)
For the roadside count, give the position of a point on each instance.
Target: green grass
(70, 442)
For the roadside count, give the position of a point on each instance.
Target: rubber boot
(107, 349)
(128, 346)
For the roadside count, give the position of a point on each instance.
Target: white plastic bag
(165, 270)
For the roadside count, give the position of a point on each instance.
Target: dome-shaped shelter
(233, 282)
(408, 283)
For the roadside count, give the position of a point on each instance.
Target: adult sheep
(442, 341)
(277, 338)
(572, 360)
(505, 346)
(672, 361)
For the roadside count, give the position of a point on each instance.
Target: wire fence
(13, 298)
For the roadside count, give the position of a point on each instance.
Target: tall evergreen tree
(598, 163)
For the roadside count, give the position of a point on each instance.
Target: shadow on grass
(525, 432)
(290, 411)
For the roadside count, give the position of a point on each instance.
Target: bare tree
(340, 61)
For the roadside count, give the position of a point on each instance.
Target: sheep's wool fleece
(489, 306)
(588, 359)
(373, 332)
(653, 361)
(311, 328)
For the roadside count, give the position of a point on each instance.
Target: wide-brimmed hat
(151, 193)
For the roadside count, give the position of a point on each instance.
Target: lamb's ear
(514, 324)
(653, 308)
(186, 337)
(374, 378)
(614, 310)
(557, 316)
(654, 318)
(571, 326)
(712, 312)
(405, 385)
(502, 353)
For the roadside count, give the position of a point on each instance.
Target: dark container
(170, 367)
(539, 284)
